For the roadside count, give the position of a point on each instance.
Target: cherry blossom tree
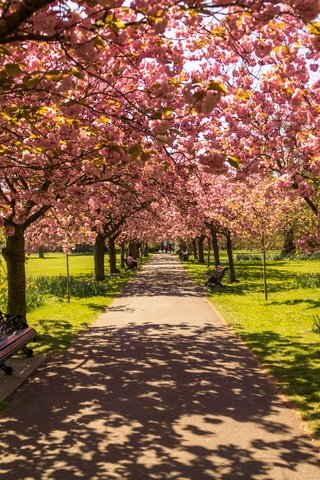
(92, 89)
(260, 213)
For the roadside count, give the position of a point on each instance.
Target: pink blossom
(314, 67)
(297, 98)
(308, 9)
(67, 83)
(213, 162)
(10, 231)
(71, 110)
(316, 42)
(45, 22)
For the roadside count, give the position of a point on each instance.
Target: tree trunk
(122, 255)
(112, 255)
(230, 257)
(194, 248)
(209, 253)
(200, 241)
(41, 252)
(289, 247)
(14, 256)
(133, 249)
(215, 247)
(99, 258)
(68, 278)
(265, 285)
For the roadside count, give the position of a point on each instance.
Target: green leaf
(118, 24)
(53, 74)
(145, 156)
(4, 51)
(217, 86)
(135, 151)
(13, 69)
(99, 43)
(314, 28)
(166, 165)
(30, 82)
(234, 161)
(77, 73)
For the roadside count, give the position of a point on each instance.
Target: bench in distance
(214, 277)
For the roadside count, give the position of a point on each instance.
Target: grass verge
(57, 321)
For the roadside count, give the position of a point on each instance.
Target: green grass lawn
(55, 264)
(56, 320)
(278, 331)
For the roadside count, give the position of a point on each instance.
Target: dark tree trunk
(230, 257)
(133, 249)
(215, 247)
(200, 241)
(194, 248)
(289, 247)
(209, 252)
(112, 255)
(182, 245)
(98, 251)
(123, 254)
(14, 256)
(265, 284)
(68, 278)
(41, 252)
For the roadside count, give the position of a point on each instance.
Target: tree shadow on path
(151, 402)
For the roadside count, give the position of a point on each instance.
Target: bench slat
(15, 343)
(14, 335)
(17, 337)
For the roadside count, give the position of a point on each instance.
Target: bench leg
(7, 370)
(215, 284)
(28, 351)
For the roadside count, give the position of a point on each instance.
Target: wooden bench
(130, 266)
(214, 277)
(14, 335)
(184, 256)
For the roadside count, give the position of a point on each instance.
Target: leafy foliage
(316, 324)
(80, 288)
(308, 281)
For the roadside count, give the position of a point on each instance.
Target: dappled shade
(150, 402)
(154, 400)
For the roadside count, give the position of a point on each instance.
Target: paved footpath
(157, 389)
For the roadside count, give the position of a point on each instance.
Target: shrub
(308, 281)
(34, 296)
(38, 288)
(316, 324)
(276, 257)
(242, 257)
(57, 286)
(3, 293)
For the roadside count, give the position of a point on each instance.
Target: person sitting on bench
(184, 255)
(131, 262)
